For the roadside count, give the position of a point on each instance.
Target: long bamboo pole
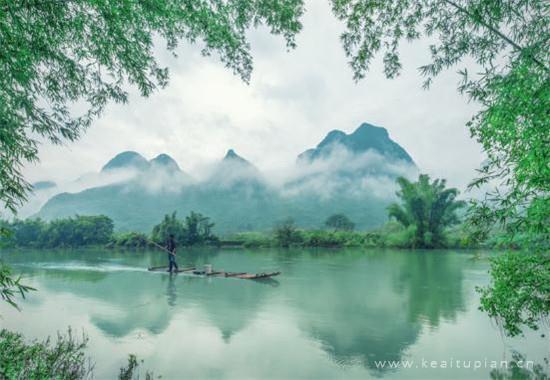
(161, 247)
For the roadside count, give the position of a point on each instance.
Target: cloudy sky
(293, 100)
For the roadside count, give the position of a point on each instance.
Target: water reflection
(367, 307)
(171, 294)
(361, 306)
(433, 286)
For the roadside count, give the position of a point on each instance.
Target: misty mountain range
(349, 173)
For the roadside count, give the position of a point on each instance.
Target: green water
(331, 314)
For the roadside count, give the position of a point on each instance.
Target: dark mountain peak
(232, 156)
(367, 130)
(233, 169)
(165, 161)
(334, 136)
(232, 159)
(126, 160)
(368, 136)
(365, 137)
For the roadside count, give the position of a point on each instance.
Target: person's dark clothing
(172, 263)
(171, 246)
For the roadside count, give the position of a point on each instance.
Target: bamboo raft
(242, 275)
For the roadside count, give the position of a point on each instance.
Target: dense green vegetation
(339, 222)
(194, 229)
(426, 218)
(426, 209)
(82, 231)
(10, 286)
(131, 240)
(508, 40)
(63, 359)
(426, 212)
(70, 232)
(59, 53)
(390, 235)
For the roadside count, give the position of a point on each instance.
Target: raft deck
(241, 275)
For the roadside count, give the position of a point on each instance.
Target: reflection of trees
(518, 368)
(363, 310)
(228, 304)
(135, 299)
(75, 276)
(361, 306)
(432, 282)
(355, 313)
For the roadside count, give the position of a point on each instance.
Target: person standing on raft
(171, 248)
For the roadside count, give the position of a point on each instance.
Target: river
(331, 314)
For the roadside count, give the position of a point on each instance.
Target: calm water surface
(335, 314)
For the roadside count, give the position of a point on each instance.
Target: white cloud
(293, 100)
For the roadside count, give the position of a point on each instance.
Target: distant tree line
(194, 229)
(82, 231)
(425, 217)
(69, 232)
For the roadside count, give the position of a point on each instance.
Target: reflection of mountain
(350, 173)
(375, 309)
(138, 300)
(360, 306)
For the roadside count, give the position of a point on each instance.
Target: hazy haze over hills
(351, 173)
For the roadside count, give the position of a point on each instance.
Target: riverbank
(99, 231)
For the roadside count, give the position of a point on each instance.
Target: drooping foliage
(11, 286)
(63, 61)
(508, 41)
(511, 299)
(94, 47)
(427, 208)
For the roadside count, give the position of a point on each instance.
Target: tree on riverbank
(508, 41)
(194, 229)
(339, 222)
(56, 54)
(286, 233)
(426, 209)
